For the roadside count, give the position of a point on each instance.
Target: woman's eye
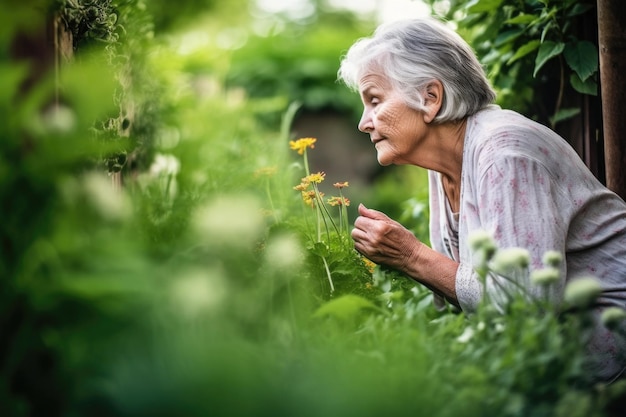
(374, 101)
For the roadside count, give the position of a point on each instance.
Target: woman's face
(395, 129)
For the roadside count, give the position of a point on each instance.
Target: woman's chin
(383, 159)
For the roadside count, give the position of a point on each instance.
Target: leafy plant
(89, 20)
(518, 41)
(300, 63)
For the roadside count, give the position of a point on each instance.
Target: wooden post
(612, 46)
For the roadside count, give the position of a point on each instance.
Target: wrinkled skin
(383, 240)
(403, 135)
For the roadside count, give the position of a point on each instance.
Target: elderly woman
(428, 103)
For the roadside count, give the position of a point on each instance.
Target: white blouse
(527, 186)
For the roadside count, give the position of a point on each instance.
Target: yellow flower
(302, 186)
(340, 185)
(339, 201)
(309, 197)
(301, 144)
(314, 178)
(369, 265)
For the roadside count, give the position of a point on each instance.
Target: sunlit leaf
(524, 50)
(582, 57)
(521, 19)
(547, 51)
(483, 6)
(344, 307)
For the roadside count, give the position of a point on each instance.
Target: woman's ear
(433, 99)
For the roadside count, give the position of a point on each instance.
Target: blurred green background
(156, 260)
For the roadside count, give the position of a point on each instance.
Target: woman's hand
(385, 241)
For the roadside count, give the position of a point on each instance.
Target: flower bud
(545, 276)
(552, 258)
(508, 260)
(582, 292)
(612, 317)
(481, 240)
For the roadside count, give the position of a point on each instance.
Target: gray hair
(412, 53)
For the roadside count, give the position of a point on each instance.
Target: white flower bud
(505, 261)
(481, 240)
(552, 258)
(466, 336)
(231, 220)
(111, 204)
(199, 291)
(612, 317)
(582, 292)
(284, 253)
(545, 276)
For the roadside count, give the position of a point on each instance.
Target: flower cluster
(338, 201)
(313, 197)
(308, 194)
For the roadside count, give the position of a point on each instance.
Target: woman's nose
(365, 124)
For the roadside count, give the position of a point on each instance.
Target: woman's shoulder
(496, 133)
(495, 121)
(510, 143)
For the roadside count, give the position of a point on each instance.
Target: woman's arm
(386, 242)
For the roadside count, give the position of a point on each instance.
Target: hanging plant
(89, 20)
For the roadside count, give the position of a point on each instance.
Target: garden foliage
(207, 284)
(535, 51)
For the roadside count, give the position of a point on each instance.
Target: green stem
(344, 214)
(327, 213)
(306, 164)
(330, 280)
(318, 214)
(340, 221)
(271, 201)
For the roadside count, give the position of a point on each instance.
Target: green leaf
(582, 57)
(546, 29)
(508, 36)
(564, 114)
(547, 51)
(480, 6)
(521, 19)
(11, 78)
(524, 50)
(344, 307)
(589, 86)
(320, 249)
